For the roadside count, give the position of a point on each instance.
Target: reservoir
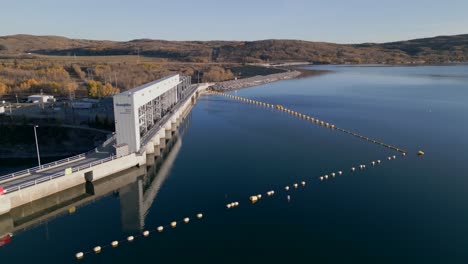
(408, 210)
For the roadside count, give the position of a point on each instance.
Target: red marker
(5, 240)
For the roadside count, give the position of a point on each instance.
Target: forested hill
(428, 50)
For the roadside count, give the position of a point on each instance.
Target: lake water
(409, 210)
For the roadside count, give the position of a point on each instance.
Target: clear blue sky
(351, 21)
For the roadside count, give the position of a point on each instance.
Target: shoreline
(265, 79)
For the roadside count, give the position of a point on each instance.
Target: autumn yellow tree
(28, 84)
(108, 90)
(70, 87)
(97, 89)
(94, 88)
(3, 89)
(216, 74)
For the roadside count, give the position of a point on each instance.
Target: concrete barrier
(36, 192)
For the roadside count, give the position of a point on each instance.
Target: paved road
(102, 152)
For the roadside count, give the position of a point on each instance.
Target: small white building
(2, 109)
(40, 98)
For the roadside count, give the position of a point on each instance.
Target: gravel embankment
(254, 81)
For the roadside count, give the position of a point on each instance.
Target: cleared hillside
(429, 50)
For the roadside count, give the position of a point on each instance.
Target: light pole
(37, 146)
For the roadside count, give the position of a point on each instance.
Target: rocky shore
(254, 81)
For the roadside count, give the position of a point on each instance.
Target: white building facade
(40, 98)
(137, 110)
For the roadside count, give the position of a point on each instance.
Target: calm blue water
(410, 210)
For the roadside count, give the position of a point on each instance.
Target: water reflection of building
(136, 198)
(137, 189)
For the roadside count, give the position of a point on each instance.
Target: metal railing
(42, 167)
(55, 163)
(57, 175)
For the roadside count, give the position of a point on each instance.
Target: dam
(146, 117)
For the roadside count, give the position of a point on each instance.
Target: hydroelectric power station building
(140, 109)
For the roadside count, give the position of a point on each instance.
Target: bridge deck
(101, 153)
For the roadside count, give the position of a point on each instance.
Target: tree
(70, 88)
(25, 85)
(79, 72)
(216, 74)
(3, 89)
(93, 88)
(97, 89)
(108, 90)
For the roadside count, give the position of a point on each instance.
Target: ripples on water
(411, 210)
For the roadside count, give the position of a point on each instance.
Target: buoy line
(313, 120)
(253, 198)
(146, 233)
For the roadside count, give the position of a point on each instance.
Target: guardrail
(42, 167)
(56, 175)
(55, 163)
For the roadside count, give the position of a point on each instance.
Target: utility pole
(90, 74)
(138, 52)
(37, 146)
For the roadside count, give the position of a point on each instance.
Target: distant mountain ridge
(441, 49)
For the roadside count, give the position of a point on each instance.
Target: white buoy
(146, 233)
(333, 174)
(253, 198)
(321, 178)
(389, 158)
(404, 153)
(295, 185)
(186, 220)
(363, 166)
(79, 255)
(200, 216)
(236, 203)
(173, 224)
(229, 206)
(286, 188)
(115, 243)
(97, 249)
(160, 228)
(378, 161)
(394, 157)
(303, 183)
(340, 173)
(353, 169)
(130, 238)
(259, 196)
(326, 177)
(373, 163)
